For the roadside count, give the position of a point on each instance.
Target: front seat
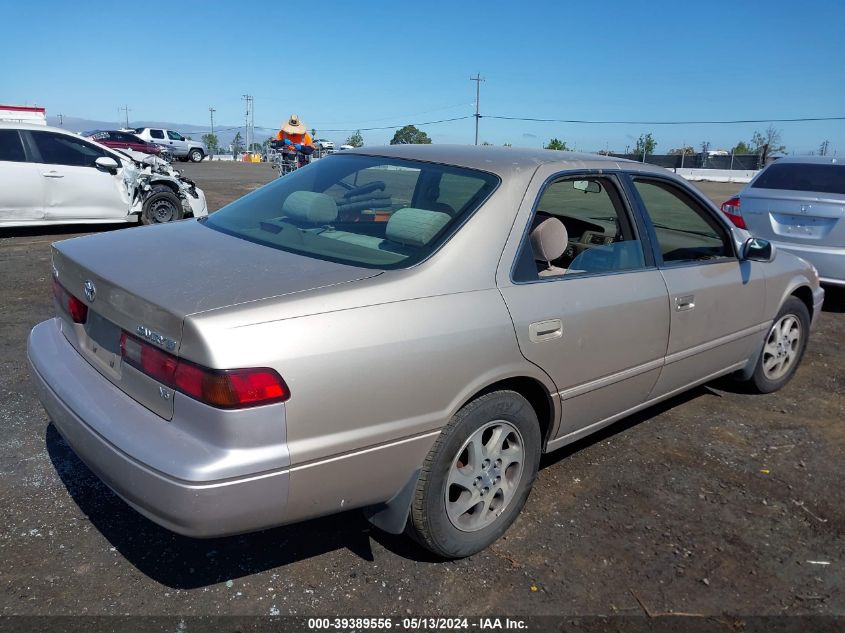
(549, 241)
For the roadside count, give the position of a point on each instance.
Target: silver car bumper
(828, 260)
(79, 400)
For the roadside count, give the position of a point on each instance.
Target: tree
(410, 135)
(645, 143)
(356, 140)
(256, 147)
(211, 142)
(507, 145)
(557, 144)
(685, 151)
(768, 143)
(237, 144)
(824, 148)
(742, 148)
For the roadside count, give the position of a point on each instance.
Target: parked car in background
(798, 203)
(52, 176)
(323, 144)
(123, 140)
(402, 329)
(178, 146)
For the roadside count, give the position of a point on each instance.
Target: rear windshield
(802, 177)
(359, 210)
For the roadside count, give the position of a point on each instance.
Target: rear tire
(783, 347)
(477, 476)
(162, 206)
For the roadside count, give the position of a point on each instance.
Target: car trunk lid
(145, 282)
(795, 217)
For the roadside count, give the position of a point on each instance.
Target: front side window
(358, 210)
(581, 226)
(686, 232)
(157, 133)
(11, 148)
(60, 149)
(175, 136)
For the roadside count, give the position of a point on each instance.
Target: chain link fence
(745, 162)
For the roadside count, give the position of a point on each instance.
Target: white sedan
(52, 176)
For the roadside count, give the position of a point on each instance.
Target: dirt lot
(715, 502)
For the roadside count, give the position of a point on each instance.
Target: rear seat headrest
(308, 206)
(549, 239)
(415, 227)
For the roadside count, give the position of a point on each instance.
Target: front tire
(196, 155)
(783, 347)
(477, 476)
(162, 206)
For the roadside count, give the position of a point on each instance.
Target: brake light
(225, 389)
(731, 209)
(77, 310)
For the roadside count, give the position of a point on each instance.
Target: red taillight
(226, 389)
(731, 209)
(77, 310)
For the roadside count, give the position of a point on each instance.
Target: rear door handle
(687, 302)
(52, 174)
(545, 330)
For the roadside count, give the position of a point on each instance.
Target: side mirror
(107, 163)
(758, 250)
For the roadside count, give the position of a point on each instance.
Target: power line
(796, 120)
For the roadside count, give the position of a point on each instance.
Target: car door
(178, 143)
(716, 301)
(75, 188)
(21, 188)
(591, 311)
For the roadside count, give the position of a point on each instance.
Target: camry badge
(156, 337)
(90, 290)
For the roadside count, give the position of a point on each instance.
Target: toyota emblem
(90, 290)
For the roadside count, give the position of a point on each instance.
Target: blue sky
(366, 64)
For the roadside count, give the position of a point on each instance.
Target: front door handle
(687, 302)
(52, 174)
(545, 330)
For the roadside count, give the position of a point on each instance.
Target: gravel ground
(714, 502)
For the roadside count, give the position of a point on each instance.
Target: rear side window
(802, 177)
(11, 148)
(157, 133)
(60, 149)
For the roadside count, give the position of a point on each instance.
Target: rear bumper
(77, 399)
(828, 260)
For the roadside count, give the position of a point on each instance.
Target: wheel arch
(535, 392)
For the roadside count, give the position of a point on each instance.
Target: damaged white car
(52, 176)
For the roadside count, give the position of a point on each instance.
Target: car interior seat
(549, 240)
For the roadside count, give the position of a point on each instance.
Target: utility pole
(249, 120)
(126, 110)
(211, 111)
(477, 79)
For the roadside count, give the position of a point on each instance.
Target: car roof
(33, 126)
(817, 160)
(500, 160)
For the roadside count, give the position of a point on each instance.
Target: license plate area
(801, 226)
(101, 344)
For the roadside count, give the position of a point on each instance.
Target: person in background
(294, 137)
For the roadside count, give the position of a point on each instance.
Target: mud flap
(392, 515)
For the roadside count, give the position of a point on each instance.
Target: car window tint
(456, 190)
(685, 230)
(60, 149)
(157, 133)
(802, 177)
(11, 147)
(353, 209)
(599, 236)
(175, 136)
